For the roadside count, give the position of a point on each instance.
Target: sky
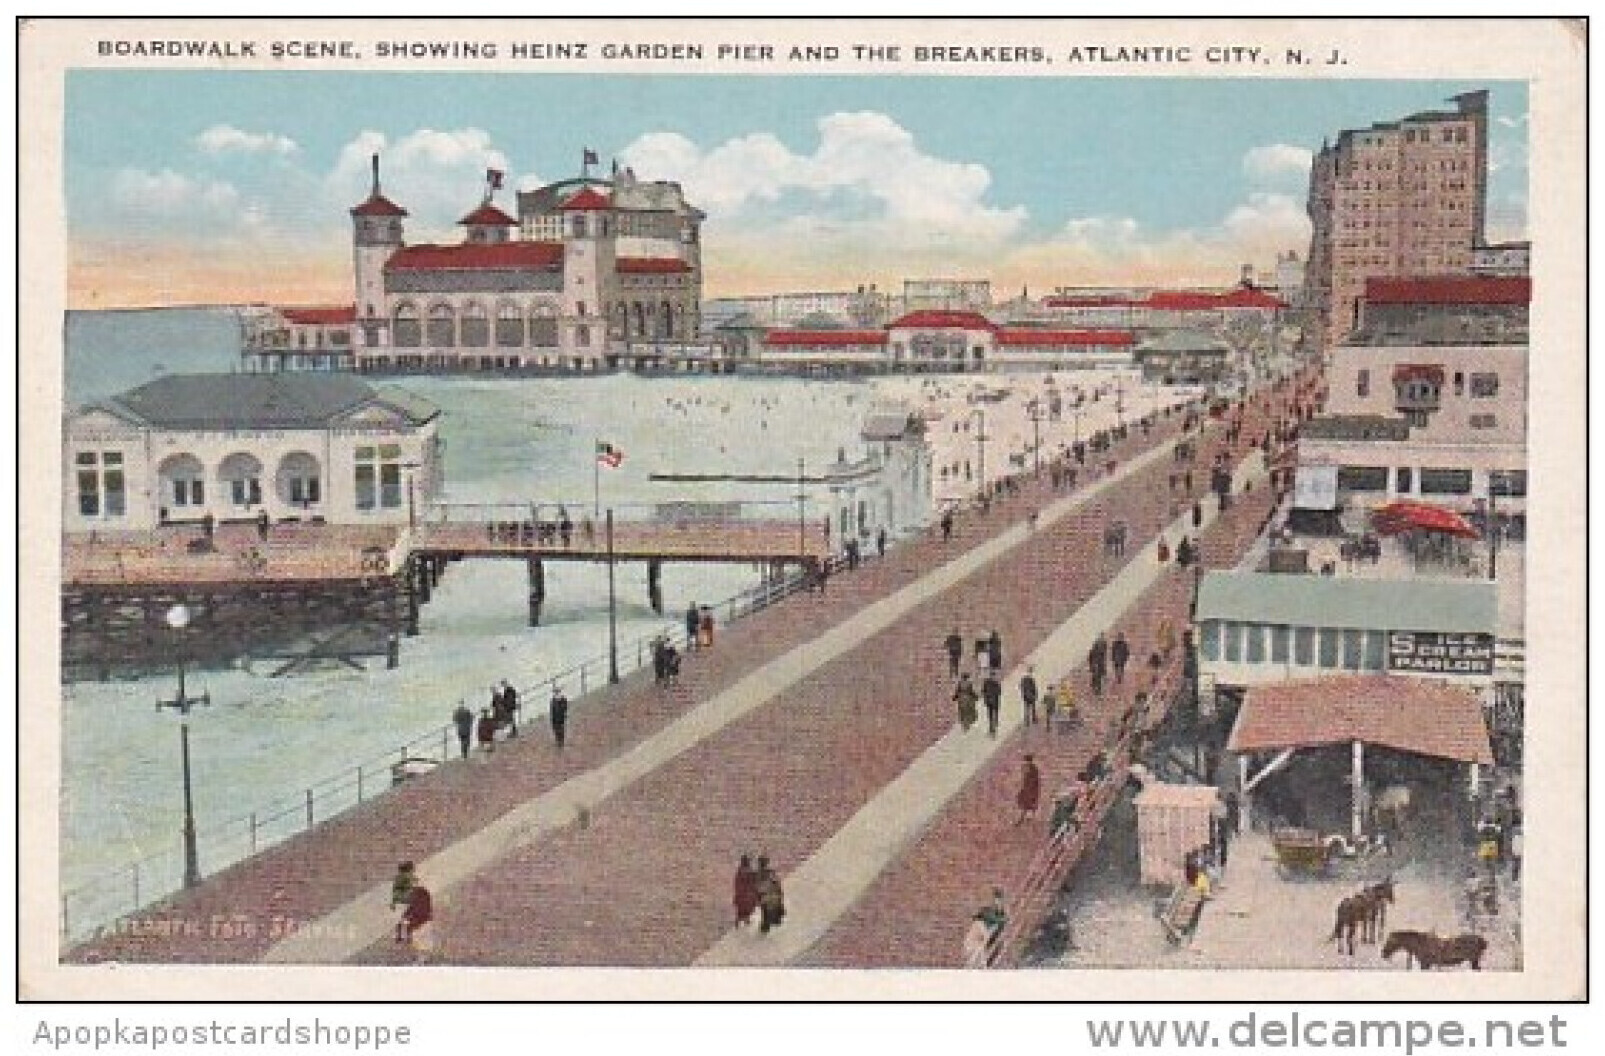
(201, 187)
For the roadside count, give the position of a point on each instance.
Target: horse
(1426, 950)
(1365, 912)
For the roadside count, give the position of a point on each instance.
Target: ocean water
(264, 741)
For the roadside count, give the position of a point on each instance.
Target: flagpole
(596, 480)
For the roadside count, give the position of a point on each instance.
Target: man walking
(463, 719)
(557, 711)
(693, 623)
(1120, 655)
(994, 652)
(1098, 664)
(992, 696)
(955, 652)
(1030, 794)
(510, 707)
(1028, 696)
(965, 697)
(880, 542)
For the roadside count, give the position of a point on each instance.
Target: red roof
(505, 256)
(1198, 300)
(488, 214)
(1421, 371)
(934, 319)
(650, 265)
(588, 200)
(1091, 302)
(1418, 715)
(378, 205)
(322, 316)
(827, 338)
(1065, 337)
(1451, 289)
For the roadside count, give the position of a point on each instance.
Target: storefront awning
(1399, 517)
(1389, 711)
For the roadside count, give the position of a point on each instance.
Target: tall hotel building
(1400, 199)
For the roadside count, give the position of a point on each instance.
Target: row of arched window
(443, 326)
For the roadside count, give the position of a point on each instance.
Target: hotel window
(1446, 482)
(1304, 646)
(378, 477)
(1329, 647)
(1401, 480)
(1484, 386)
(1509, 483)
(1281, 638)
(1209, 640)
(1460, 383)
(1256, 643)
(102, 491)
(1353, 649)
(1233, 651)
(1483, 421)
(1375, 651)
(1362, 478)
(1362, 384)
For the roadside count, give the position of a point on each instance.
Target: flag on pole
(608, 455)
(494, 178)
(590, 157)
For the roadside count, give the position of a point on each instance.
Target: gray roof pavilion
(258, 401)
(1450, 606)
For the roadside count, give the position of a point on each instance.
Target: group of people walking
(502, 714)
(758, 890)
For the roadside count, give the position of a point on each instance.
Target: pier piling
(537, 590)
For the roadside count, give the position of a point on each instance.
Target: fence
(122, 892)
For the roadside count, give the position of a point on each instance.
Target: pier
(818, 731)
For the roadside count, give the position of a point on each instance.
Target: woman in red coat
(746, 890)
(1030, 794)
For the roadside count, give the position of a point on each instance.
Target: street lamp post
(178, 618)
(1036, 440)
(979, 416)
(612, 610)
(412, 510)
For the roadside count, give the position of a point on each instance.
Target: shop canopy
(1397, 517)
(1406, 714)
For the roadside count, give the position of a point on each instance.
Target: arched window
(241, 477)
(509, 326)
(543, 326)
(405, 329)
(476, 325)
(666, 321)
(183, 481)
(299, 480)
(442, 326)
(621, 320)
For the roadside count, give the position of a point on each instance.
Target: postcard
(755, 508)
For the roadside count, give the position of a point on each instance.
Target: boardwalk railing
(1033, 895)
(109, 899)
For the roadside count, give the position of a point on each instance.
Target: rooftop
(510, 256)
(1391, 711)
(1453, 606)
(257, 401)
(1451, 289)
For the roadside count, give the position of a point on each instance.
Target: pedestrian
(463, 719)
(1028, 695)
(660, 661)
(498, 706)
(693, 623)
(1030, 795)
(705, 628)
(955, 652)
(208, 525)
(996, 916)
(992, 695)
(1097, 663)
(487, 730)
(263, 523)
(965, 696)
(1167, 636)
(947, 524)
(565, 526)
(557, 712)
(1220, 837)
(1163, 550)
(880, 542)
(771, 898)
(416, 927)
(994, 652)
(400, 886)
(510, 707)
(746, 890)
(1119, 655)
(1184, 552)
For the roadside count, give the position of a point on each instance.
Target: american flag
(609, 455)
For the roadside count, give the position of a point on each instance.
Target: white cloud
(168, 193)
(867, 180)
(226, 139)
(1277, 163)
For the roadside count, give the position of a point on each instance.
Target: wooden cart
(1300, 853)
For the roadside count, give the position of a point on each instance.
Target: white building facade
(233, 447)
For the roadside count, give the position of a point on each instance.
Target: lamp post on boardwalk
(979, 416)
(802, 514)
(412, 508)
(1036, 439)
(178, 618)
(612, 610)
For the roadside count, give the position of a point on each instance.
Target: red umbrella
(1408, 516)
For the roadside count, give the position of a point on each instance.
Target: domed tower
(590, 242)
(376, 234)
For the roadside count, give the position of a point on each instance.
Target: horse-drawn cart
(1300, 852)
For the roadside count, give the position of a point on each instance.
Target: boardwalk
(618, 850)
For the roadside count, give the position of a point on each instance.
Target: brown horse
(1429, 951)
(1365, 913)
